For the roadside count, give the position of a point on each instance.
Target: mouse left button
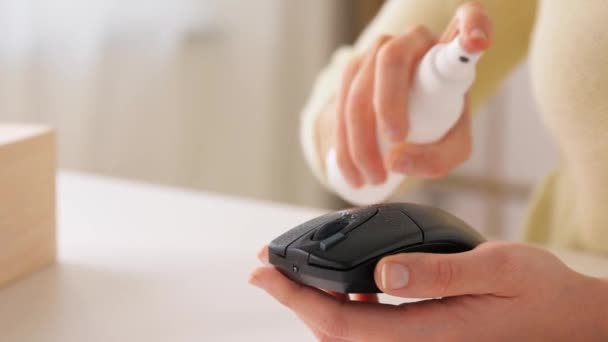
(358, 217)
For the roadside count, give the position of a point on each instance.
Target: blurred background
(206, 95)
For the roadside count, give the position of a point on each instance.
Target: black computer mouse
(339, 251)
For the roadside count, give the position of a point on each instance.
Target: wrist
(603, 308)
(598, 305)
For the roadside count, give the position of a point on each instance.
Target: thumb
(491, 268)
(474, 26)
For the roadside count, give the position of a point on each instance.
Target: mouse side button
(315, 260)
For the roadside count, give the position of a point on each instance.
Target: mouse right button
(439, 225)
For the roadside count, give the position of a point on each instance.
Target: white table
(149, 263)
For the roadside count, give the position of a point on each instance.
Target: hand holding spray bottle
(436, 102)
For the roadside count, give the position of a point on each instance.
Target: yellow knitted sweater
(569, 65)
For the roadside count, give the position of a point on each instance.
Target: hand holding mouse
(495, 292)
(374, 92)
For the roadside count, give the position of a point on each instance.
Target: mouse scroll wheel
(331, 228)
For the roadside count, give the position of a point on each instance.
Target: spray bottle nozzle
(453, 62)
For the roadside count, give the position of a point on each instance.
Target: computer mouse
(338, 251)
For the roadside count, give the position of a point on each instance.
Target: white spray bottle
(436, 102)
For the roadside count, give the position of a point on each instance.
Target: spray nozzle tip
(458, 51)
(454, 62)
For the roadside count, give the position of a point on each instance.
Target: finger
(395, 65)
(474, 26)
(345, 162)
(438, 159)
(343, 320)
(361, 119)
(263, 256)
(321, 336)
(364, 297)
(492, 268)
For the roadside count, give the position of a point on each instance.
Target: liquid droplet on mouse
(295, 269)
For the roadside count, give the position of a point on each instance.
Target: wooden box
(27, 200)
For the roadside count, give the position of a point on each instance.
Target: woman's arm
(512, 20)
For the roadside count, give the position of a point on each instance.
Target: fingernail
(376, 179)
(394, 276)
(356, 184)
(355, 181)
(255, 280)
(263, 256)
(478, 34)
(404, 165)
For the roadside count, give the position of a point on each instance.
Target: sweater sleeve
(513, 21)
